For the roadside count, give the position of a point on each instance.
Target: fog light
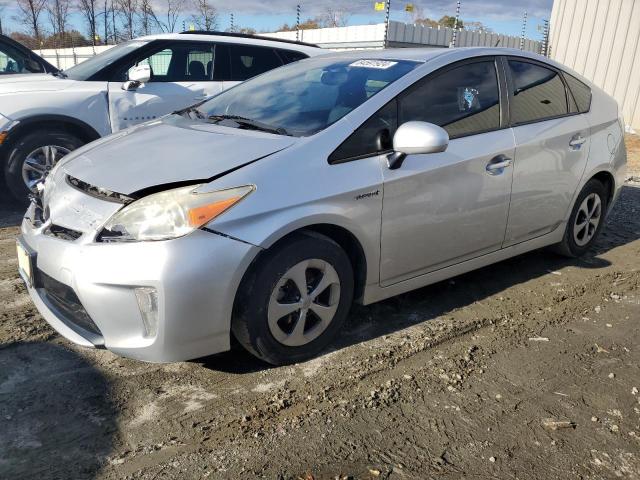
(148, 303)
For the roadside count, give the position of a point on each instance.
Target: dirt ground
(462, 379)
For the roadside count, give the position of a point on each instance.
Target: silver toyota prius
(265, 211)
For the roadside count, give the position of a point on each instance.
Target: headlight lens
(170, 214)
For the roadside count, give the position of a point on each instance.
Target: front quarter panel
(296, 190)
(84, 101)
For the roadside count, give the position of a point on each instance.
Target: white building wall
(600, 39)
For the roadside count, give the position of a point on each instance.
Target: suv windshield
(86, 69)
(305, 97)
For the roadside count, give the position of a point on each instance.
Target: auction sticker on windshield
(380, 64)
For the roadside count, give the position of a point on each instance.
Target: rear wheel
(586, 220)
(295, 300)
(33, 156)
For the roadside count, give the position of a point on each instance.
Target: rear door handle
(497, 164)
(576, 141)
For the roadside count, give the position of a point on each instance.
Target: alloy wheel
(304, 302)
(587, 219)
(39, 163)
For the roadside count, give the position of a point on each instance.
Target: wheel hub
(303, 302)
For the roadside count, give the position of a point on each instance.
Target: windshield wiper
(59, 74)
(191, 111)
(248, 122)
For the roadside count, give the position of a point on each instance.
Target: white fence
(68, 57)
(403, 35)
(346, 38)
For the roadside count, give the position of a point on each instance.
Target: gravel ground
(527, 369)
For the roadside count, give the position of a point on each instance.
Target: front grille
(63, 233)
(64, 302)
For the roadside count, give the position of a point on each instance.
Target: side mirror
(137, 76)
(414, 138)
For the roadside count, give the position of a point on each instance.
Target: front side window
(305, 97)
(464, 100)
(179, 63)
(538, 93)
(373, 137)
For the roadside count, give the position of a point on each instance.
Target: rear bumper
(95, 305)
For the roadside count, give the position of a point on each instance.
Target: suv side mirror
(415, 137)
(137, 76)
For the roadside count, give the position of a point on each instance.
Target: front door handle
(497, 164)
(576, 141)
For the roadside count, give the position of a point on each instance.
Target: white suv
(43, 117)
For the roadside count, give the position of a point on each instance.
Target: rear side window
(290, 56)
(249, 61)
(538, 93)
(581, 93)
(464, 100)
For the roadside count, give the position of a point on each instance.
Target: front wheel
(586, 220)
(295, 300)
(33, 156)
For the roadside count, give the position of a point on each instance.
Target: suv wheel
(586, 220)
(295, 300)
(33, 156)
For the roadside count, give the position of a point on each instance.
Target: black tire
(568, 247)
(23, 146)
(250, 324)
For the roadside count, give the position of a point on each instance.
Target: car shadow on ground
(422, 305)
(53, 405)
(11, 210)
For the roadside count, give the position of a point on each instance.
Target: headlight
(170, 214)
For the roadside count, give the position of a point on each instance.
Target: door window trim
(510, 90)
(503, 95)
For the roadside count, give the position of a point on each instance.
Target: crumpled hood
(168, 151)
(33, 82)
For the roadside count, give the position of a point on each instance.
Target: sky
(267, 15)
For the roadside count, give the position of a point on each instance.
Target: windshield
(305, 97)
(86, 69)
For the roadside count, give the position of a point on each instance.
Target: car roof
(238, 39)
(425, 54)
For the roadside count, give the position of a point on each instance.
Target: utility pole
(298, 22)
(545, 39)
(455, 25)
(524, 30)
(233, 28)
(386, 24)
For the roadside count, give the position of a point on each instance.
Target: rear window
(290, 56)
(581, 93)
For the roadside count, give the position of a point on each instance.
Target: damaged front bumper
(155, 301)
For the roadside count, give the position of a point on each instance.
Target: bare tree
(206, 16)
(148, 20)
(174, 9)
(128, 9)
(88, 9)
(58, 11)
(29, 12)
(335, 17)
